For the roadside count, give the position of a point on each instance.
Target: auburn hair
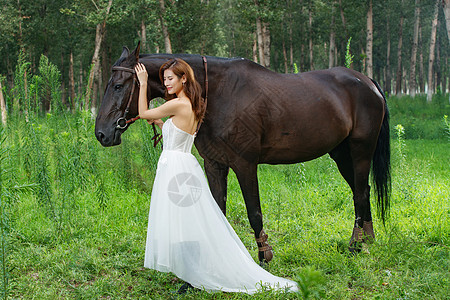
(191, 87)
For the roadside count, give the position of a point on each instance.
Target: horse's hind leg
(361, 153)
(217, 178)
(354, 165)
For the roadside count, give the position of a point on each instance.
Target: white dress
(188, 234)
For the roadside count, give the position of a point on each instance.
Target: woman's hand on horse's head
(141, 73)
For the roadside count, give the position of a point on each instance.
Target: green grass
(88, 241)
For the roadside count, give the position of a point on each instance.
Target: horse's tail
(381, 164)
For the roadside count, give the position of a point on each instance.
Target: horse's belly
(298, 146)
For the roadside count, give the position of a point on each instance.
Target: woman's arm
(167, 109)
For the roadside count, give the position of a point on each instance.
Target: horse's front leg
(217, 175)
(246, 174)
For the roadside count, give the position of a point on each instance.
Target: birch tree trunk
(369, 41)
(2, 105)
(291, 48)
(99, 34)
(446, 8)
(398, 78)
(167, 43)
(421, 72)
(388, 87)
(331, 62)
(63, 83)
(143, 37)
(259, 34)
(80, 84)
(71, 81)
(412, 77)
(311, 57)
(432, 47)
(285, 59)
(437, 64)
(255, 49)
(344, 24)
(266, 44)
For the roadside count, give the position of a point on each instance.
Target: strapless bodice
(176, 139)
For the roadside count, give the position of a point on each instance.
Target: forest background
(402, 44)
(73, 214)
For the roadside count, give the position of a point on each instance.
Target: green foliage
(311, 283)
(20, 90)
(419, 118)
(51, 84)
(400, 133)
(4, 224)
(446, 125)
(348, 55)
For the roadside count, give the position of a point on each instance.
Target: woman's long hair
(191, 87)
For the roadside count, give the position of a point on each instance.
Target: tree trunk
(344, 24)
(80, 84)
(421, 72)
(63, 83)
(99, 33)
(167, 43)
(446, 8)
(331, 62)
(259, 33)
(71, 81)
(291, 47)
(388, 87)
(266, 43)
(143, 37)
(412, 78)
(438, 61)
(285, 59)
(369, 41)
(398, 78)
(255, 49)
(311, 57)
(2, 105)
(432, 47)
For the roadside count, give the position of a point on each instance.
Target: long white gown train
(188, 234)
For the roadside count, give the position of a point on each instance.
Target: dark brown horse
(256, 116)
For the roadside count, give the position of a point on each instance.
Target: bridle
(122, 122)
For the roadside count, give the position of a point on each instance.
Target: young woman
(187, 233)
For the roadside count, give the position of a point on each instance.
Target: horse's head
(119, 101)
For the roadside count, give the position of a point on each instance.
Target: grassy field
(74, 216)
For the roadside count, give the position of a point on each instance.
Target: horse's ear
(136, 51)
(125, 52)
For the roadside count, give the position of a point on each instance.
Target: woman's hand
(141, 74)
(158, 122)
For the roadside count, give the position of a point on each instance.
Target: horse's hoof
(368, 233)
(265, 251)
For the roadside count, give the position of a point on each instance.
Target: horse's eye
(118, 87)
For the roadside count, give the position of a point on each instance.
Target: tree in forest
(398, 78)
(369, 41)
(165, 31)
(412, 78)
(432, 49)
